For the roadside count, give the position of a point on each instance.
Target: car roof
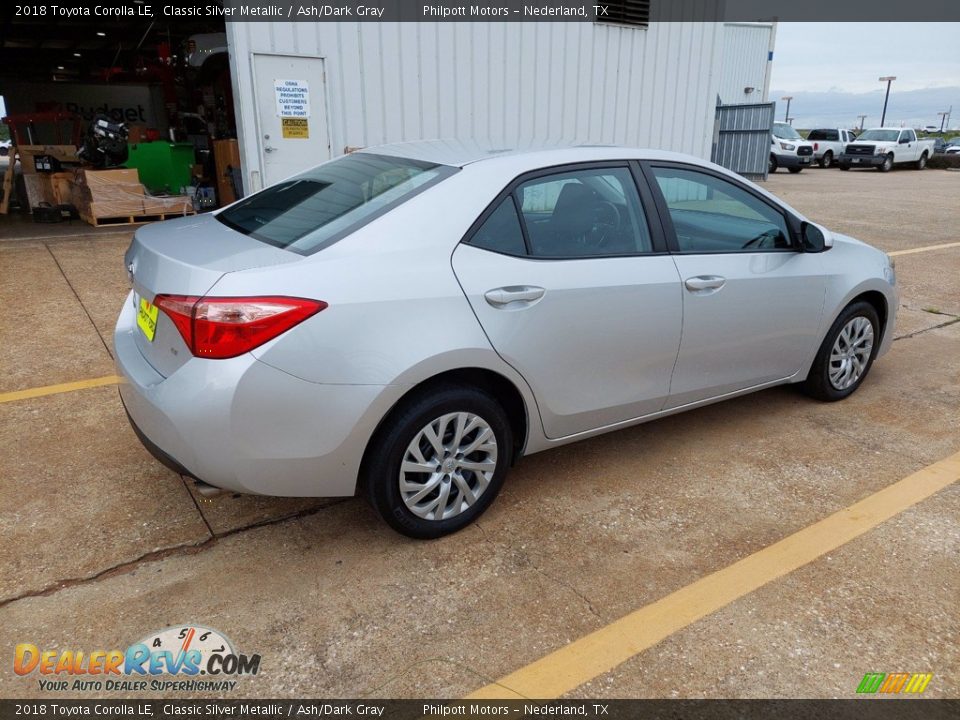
(459, 153)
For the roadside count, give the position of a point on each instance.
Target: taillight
(224, 327)
(816, 146)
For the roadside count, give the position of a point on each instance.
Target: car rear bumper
(242, 425)
(862, 160)
(792, 161)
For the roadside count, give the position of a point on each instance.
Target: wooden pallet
(133, 219)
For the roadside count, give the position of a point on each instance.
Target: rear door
(751, 300)
(575, 290)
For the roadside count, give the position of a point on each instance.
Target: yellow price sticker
(147, 318)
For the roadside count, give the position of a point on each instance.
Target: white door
(292, 114)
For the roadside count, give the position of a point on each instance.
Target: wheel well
(493, 383)
(879, 303)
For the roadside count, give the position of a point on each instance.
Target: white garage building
(355, 84)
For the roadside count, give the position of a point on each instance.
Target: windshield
(315, 209)
(782, 130)
(880, 135)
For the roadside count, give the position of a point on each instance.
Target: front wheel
(772, 165)
(796, 170)
(887, 165)
(846, 355)
(439, 461)
(844, 167)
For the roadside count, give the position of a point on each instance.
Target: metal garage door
(742, 138)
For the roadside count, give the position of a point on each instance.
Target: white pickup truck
(883, 148)
(828, 144)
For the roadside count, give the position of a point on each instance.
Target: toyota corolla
(406, 322)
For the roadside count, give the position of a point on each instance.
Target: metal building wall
(747, 62)
(502, 82)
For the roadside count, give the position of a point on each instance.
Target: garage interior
(114, 123)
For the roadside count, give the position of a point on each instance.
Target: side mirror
(814, 239)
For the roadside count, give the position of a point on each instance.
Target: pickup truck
(883, 148)
(828, 144)
(788, 149)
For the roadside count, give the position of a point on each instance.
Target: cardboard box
(166, 205)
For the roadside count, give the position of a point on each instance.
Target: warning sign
(295, 127)
(293, 98)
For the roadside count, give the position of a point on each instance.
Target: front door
(292, 114)
(752, 301)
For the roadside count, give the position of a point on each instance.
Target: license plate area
(147, 314)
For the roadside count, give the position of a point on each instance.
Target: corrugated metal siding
(501, 82)
(743, 139)
(745, 62)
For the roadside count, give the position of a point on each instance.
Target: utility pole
(887, 79)
(862, 119)
(786, 115)
(943, 119)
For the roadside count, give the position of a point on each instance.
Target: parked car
(788, 149)
(952, 146)
(406, 322)
(828, 144)
(883, 148)
(5, 146)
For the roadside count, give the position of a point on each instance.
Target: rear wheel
(922, 162)
(827, 159)
(439, 461)
(846, 355)
(887, 165)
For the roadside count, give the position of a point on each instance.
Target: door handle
(522, 295)
(704, 282)
(268, 149)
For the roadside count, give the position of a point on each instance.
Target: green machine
(162, 166)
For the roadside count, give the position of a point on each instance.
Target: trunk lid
(187, 256)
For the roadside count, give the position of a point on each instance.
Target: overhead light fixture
(76, 54)
(60, 67)
(101, 34)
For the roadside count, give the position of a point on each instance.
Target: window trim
(791, 221)
(647, 203)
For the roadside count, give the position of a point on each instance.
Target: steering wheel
(606, 221)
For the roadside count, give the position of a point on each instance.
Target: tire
(887, 164)
(438, 410)
(772, 165)
(829, 379)
(795, 170)
(844, 167)
(922, 162)
(827, 160)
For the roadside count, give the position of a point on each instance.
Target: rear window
(823, 135)
(310, 211)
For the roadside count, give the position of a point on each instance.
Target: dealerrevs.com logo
(197, 658)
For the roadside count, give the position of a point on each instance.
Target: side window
(711, 215)
(501, 231)
(833, 135)
(584, 213)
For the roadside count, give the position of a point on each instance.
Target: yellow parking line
(602, 650)
(61, 388)
(911, 251)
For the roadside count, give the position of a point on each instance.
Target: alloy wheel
(448, 465)
(851, 353)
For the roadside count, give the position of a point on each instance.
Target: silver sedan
(407, 321)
